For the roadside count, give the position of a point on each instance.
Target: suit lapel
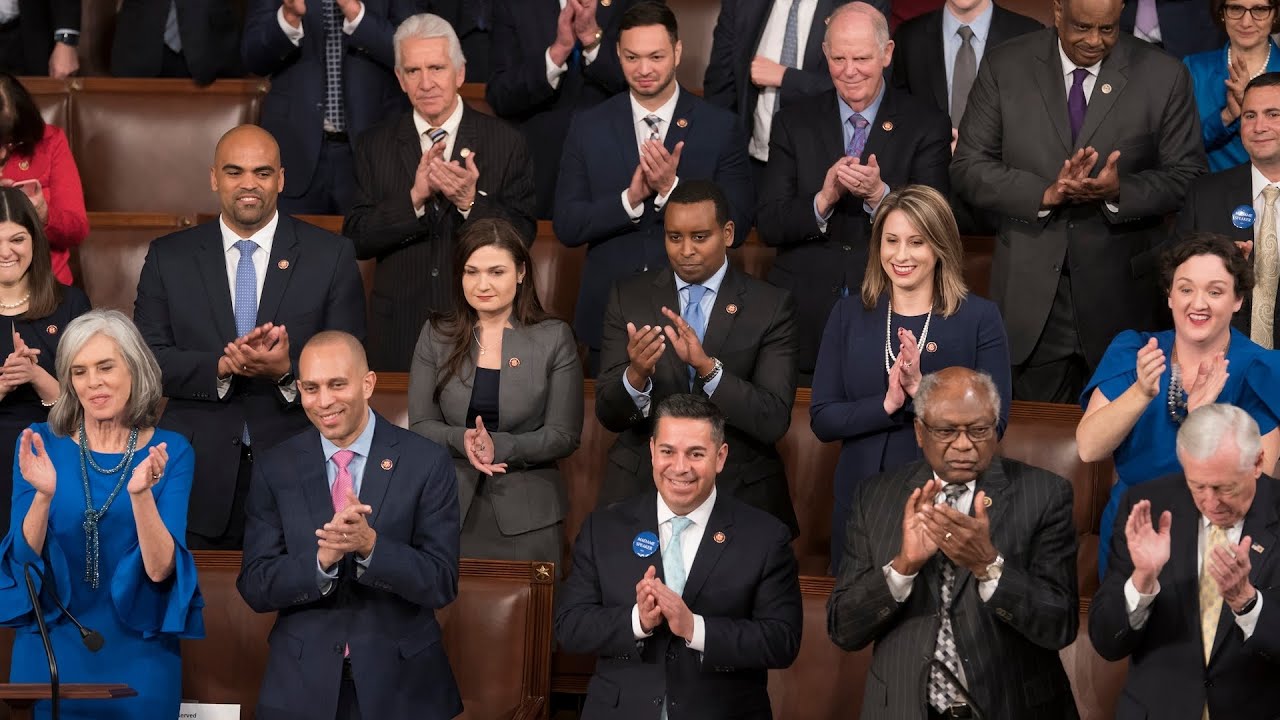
(1261, 524)
(642, 516)
(211, 264)
(994, 484)
(1184, 557)
(710, 550)
(384, 457)
(663, 293)
(934, 53)
(813, 57)
(467, 137)
(280, 267)
(1107, 88)
(313, 476)
(410, 146)
(880, 135)
(831, 132)
(624, 132)
(681, 121)
(513, 391)
(1050, 77)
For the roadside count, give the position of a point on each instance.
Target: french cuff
(349, 27)
(636, 631)
(1138, 604)
(632, 212)
(224, 387)
(699, 641)
(1248, 621)
(661, 200)
(554, 72)
(822, 219)
(899, 585)
(987, 588)
(293, 33)
(641, 398)
(420, 211)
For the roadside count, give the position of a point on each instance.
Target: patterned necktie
(1266, 271)
(654, 122)
(172, 38)
(342, 485)
(966, 69)
(1076, 104)
(334, 118)
(694, 316)
(246, 306)
(1147, 19)
(435, 135)
(673, 567)
(791, 38)
(859, 139)
(1210, 598)
(941, 693)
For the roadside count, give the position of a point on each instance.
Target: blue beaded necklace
(91, 516)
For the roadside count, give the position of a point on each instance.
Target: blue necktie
(859, 139)
(673, 566)
(693, 315)
(172, 38)
(246, 306)
(335, 118)
(791, 38)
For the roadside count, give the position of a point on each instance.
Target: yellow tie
(1210, 598)
(1266, 269)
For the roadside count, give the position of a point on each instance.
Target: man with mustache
(226, 307)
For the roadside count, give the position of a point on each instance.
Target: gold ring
(155, 476)
(947, 536)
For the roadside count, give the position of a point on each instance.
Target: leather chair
(697, 19)
(557, 270)
(52, 97)
(107, 264)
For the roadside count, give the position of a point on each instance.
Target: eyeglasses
(947, 434)
(1259, 12)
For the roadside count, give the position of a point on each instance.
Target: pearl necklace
(1176, 398)
(889, 357)
(1265, 63)
(16, 305)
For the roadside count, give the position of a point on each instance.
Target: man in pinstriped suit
(961, 568)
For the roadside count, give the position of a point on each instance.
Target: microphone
(974, 707)
(91, 638)
(44, 636)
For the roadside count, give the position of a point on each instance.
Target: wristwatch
(594, 43)
(67, 38)
(994, 570)
(715, 371)
(1248, 607)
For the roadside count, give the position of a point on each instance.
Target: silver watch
(993, 570)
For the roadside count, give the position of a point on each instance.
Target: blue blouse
(1208, 79)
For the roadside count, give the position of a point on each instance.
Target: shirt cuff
(866, 204)
(464, 213)
(1115, 209)
(661, 200)
(639, 397)
(589, 56)
(699, 641)
(289, 392)
(632, 212)
(224, 387)
(350, 27)
(293, 33)
(636, 631)
(362, 564)
(1248, 621)
(822, 219)
(710, 387)
(65, 31)
(1138, 604)
(987, 588)
(325, 580)
(899, 585)
(554, 71)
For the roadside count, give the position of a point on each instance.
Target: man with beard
(623, 158)
(226, 307)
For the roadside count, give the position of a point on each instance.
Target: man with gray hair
(1190, 597)
(961, 568)
(824, 179)
(421, 176)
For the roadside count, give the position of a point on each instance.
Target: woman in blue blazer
(914, 316)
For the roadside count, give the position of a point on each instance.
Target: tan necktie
(1210, 598)
(1266, 270)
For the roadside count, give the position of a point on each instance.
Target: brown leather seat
(108, 263)
(697, 19)
(557, 270)
(52, 97)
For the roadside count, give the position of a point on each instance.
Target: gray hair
(425, 26)
(879, 25)
(931, 382)
(143, 407)
(1205, 428)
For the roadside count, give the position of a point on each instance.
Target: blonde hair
(928, 211)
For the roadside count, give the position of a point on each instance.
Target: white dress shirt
(555, 72)
(775, 31)
(1259, 182)
(952, 42)
(638, 114)
(1138, 604)
(295, 33)
(689, 542)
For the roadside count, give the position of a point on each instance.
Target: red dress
(53, 166)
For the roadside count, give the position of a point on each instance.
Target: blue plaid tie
(859, 139)
(246, 305)
(334, 118)
(791, 39)
(673, 566)
(694, 316)
(654, 122)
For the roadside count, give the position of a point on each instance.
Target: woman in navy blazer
(914, 316)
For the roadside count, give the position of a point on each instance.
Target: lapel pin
(986, 501)
(514, 362)
(931, 346)
(731, 309)
(1106, 88)
(887, 125)
(645, 544)
(52, 329)
(24, 165)
(464, 153)
(682, 123)
(1243, 217)
(1257, 548)
(283, 264)
(826, 20)
(606, 3)
(719, 538)
(386, 464)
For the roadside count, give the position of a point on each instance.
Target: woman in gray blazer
(499, 383)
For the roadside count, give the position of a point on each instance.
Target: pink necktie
(341, 486)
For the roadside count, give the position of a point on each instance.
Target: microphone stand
(44, 637)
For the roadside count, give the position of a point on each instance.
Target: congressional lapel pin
(645, 544)
(514, 362)
(931, 346)
(606, 3)
(464, 153)
(719, 538)
(986, 501)
(731, 309)
(1257, 548)
(887, 125)
(24, 165)
(682, 123)
(1106, 88)
(1243, 217)
(386, 464)
(283, 264)
(52, 329)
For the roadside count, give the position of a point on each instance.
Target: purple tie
(1076, 104)
(859, 139)
(1147, 20)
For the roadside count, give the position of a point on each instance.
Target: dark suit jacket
(293, 110)
(415, 273)
(472, 20)
(185, 314)
(210, 31)
(588, 195)
(1186, 27)
(745, 586)
(40, 18)
(385, 613)
(1011, 149)
(1009, 644)
(1210, 201)
(539, 420)
(518, 90)
(727, 81)
(1168, 677)
(912, 144)
(755, 343)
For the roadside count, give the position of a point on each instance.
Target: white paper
(208, 711)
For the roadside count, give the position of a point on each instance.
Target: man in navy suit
(623, 158)
(353, 540)
(1181, 27)
(688, 597)
(225, 307)
(317, 107)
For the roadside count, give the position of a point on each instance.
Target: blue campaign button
(1243, 217)
(645, 544)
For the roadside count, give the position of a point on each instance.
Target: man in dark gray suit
(961, 568)
(1081, 140)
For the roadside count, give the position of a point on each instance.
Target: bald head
(247, 177)
(339, 342)
(858, 15)
(334, 385)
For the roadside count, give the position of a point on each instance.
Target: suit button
(337, 647)
(235, 441)
(1208, 683)
(1057, 268)
(884, 612)
(1071, 226)
(657, 701)
(848, 247)
(435, 272)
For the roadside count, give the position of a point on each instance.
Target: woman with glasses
(1219, 76)
(1148, 382)
(914, 316)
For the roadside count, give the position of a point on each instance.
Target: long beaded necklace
(889, 357)
(93, 517)
(1261, 69)
(1176, 398)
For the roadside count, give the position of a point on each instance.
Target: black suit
(38, 20)
(184, 312)
(744, 584)
(472, 20)
(1009, 644)
(1168, 677)
(1186, 27)
(751, 330)
(415, 273)
(210, 32)
(518, 90)
(912, 144)
(1210, 202)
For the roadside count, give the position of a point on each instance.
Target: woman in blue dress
(99, 515)
(1148, 382)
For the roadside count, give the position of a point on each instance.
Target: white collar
(700, 515)
(665, 112)
(450, 125)
(1069, 67)
(263, 237)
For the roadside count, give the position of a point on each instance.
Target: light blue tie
(246, 306)
(172, 37)
(694, 316)
(791, 38)
(673, 567)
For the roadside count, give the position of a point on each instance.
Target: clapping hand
(1229, 567)
(457, 182)
(908, 361)
(34, 464)
(1151, 366)
(422, 188)
(585, 27)
(264, 352)
(659, 166)
(1210, 379)
(149, 471)
(1148, 547)
(293, 11)
(673, 608)
(1237, 79)
(348, 531)
(917, 545)
(685, 342)
(20, 366)
(647, 602)
(480, 449)
(965, 540)
(1104, 188)
(895, 397)
(1076, 167)
(863, 179)
(644, 347)
(562, 47)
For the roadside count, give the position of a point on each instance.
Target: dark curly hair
(1238, 265)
